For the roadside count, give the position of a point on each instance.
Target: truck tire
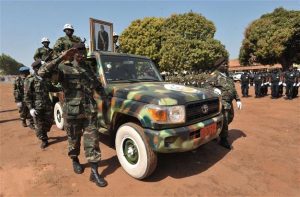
(133, 151)
(58, 118)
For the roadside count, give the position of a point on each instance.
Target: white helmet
(45, 39)
(68, 26)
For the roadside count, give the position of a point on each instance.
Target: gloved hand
(239, 105)
(270, 84)
(217, 91)
(280, 83)
(294, 84)
(262, 85)
(19, 104)
(42, 62)
(298, 84)
(33, 113)
(284, 84)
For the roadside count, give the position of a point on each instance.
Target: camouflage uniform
(37, 97)
(43, 53)
(19, 97)
(228, 93)
(65, 43)
(80, 108)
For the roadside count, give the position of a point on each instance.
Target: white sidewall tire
(147, 158)
(58, 109)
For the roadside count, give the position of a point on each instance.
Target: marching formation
(66, 63)
(276, 80)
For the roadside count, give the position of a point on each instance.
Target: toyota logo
(204, 109)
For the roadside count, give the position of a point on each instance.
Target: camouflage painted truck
(146, 115)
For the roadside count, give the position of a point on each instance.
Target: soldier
(245, 81)
(297, 82)
(38, 101)
(66, 42)
(290, 81)
(19, 97)
(44, 53)
(224, 86)
(80, 109)
(275, 83)
(258, 84)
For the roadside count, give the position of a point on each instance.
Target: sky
(24, 23)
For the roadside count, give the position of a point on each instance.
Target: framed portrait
(101, 33)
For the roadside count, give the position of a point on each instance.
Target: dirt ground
(265, 160)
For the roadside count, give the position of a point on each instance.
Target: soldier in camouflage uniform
(224, 86)
(19, 97)
(66, 42)
(38, 101)
(44, 53)
(80, 109)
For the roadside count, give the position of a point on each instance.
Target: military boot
(77, 167)
(96, 177)
(44, 144)
(224, 142)
(24, 124)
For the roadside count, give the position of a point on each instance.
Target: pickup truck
(145, 115)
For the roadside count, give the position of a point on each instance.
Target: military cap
(23, 69)
(36, 64)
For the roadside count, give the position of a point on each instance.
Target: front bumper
(183, 138)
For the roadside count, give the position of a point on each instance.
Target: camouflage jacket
(65, 43)
(78, 83)
(226, 85)
(19, 89)
(36, 92)
(43, 53)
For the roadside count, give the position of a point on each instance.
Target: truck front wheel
(133, 151)
(58, 118)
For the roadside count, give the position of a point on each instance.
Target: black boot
(224, 142)
(96, 177)
(44, 144)
(77, 167)
(24, 124)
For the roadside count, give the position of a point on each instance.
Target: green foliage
(273, 38)
(143, 37)
(180, 42)
(8, 65)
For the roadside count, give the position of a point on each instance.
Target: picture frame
(101, 35)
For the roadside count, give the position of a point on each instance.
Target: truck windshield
(128, 69)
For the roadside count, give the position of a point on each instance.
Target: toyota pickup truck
(145, 115)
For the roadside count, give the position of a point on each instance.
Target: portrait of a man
(102, 35)
(103, 39)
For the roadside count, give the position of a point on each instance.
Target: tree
(180, 42)
(8, 65)
(143, 37)
(273, 38)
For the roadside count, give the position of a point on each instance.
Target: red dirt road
(265, 160)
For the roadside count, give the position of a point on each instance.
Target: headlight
(167, 115)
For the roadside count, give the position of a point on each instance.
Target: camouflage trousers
(24, 113)
(228, 115)
(43, 122)
(85, 127)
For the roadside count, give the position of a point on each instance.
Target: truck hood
(159, 93)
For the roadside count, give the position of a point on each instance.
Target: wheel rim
(58, 116)
(130, 151)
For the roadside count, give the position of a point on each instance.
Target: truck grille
(201, 110)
